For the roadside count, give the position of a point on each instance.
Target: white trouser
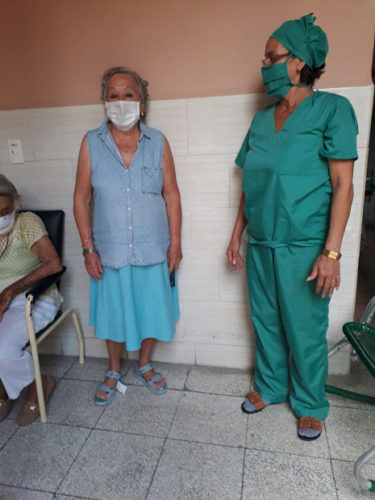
(16, 365)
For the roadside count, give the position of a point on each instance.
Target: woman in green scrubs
(298, 158)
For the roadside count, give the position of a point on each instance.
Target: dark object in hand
(171, 278)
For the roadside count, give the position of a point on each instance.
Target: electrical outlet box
(15, 151)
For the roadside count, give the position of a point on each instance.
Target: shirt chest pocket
(152, 180)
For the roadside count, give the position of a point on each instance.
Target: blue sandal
(139, 371)
(108, 390)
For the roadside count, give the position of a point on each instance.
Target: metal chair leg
(342, 343)
(79, 337)
(364, 483)
(35, 355)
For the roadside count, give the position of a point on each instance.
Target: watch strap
(331, 254)
(85, 251)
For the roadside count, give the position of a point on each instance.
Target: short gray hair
(9, 190)
(122, 70)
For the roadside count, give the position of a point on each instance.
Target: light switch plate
(15, 151)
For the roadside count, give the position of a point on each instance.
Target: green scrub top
(286, 177)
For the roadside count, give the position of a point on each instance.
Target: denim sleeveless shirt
(130, 224)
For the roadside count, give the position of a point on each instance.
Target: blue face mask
(7, 222)
(276, 79)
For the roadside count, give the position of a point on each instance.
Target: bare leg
(114, 352)
(3, 392)
(144, 359)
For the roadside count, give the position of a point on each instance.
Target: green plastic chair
(362, 338)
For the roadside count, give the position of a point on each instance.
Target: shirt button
(130, 245)
(130, 227)
(127, 189)
(129, 208)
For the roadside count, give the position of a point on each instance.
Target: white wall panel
(170, 117)
(198, 278)
(57, 132)
(218, 124)
(203, 180)
(16, 125)
(205, 135)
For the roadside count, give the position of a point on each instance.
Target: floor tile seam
(187, 376)
(349, 461)
(128, 433)
(318, 457)
(330, 461)
(222, 445)
(174, 415)
(104, 408)
(73, 462)
(73, 496)
(216, 393)
(10, 437)
(184, 389)
(243, 472)
(71, 366)
(327, 439)
(69, 377)
(51, 492)
(244, 457)
(63, 424)
(148, 489)
(334, 478)
(127, 383)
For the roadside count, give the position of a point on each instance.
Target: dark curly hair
(308, 75)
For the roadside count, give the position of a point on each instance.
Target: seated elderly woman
(26, 256)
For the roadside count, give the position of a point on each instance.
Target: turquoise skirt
(134, 303)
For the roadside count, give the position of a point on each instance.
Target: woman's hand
(171, 195)
(233, 253)
(5, 299)
(94, 266)
(174, 258)
(326, 271)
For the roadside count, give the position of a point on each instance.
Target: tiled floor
(191, 443)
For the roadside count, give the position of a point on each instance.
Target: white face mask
(6, 222)
(123, 114)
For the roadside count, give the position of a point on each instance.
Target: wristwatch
(85, 251)
(331, 254)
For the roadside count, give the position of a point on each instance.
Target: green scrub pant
(290, 322)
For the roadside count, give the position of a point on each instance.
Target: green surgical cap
(304, 40)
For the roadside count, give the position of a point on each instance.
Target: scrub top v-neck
(286, 176)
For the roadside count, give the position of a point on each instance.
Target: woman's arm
(46, 253)
(82, 210)
(171, 195)
(326, 270)
(233, 252)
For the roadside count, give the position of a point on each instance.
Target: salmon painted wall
(54, 51)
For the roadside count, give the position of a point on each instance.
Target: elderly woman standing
(26, 256)
(298, 161)
(132, 239)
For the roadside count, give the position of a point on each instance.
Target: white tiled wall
(205, 135)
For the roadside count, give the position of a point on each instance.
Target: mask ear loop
(302, 85)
